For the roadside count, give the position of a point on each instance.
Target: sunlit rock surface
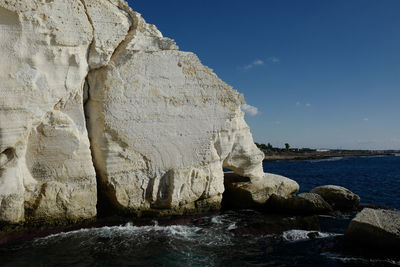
(161, 125)
(46, 170)
(242, 192)
(157, 122)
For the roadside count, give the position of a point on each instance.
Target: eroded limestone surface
(161, 125)
(46, 169)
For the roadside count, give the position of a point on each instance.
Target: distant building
(322, 150)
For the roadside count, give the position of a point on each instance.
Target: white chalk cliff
(161, 125)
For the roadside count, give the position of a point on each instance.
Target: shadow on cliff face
(231, 199)
(225, 203)
(103, 206)
(106, 207)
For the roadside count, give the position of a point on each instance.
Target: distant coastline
(299, 154)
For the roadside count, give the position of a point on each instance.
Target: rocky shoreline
(372, 229)
(100, 113)
(99, 109)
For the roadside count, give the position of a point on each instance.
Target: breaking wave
(299, 235)
(328, 159)
(361, 261)
(127, 231)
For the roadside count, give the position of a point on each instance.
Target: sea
(230, 237)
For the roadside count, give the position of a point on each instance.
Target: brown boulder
(305, 203)
(338, 197)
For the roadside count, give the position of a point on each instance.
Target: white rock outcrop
(161, 125)
(46, 170)
(242, 192)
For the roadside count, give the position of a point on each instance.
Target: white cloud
(249, 110)
(365, 119)
(308, 105)
(274, 60)
(257, 62)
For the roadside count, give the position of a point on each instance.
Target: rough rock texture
(304, 203)
(161, 125)
(46, 169)
(375, 228)
(338, 197)
(242, 193)
(111, 24)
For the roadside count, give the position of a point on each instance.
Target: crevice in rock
(103, 206)
(105, 203)
(30, 209)
(128, 37)
(91, 24)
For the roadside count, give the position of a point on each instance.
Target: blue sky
(322, 74)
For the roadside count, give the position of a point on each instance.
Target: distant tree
(263, 146)
(269, 147)
(287, 146)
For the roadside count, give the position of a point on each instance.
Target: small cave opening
(103, 206)
(230, 198)
(6, 156)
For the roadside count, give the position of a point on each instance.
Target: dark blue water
(375, 179)
(231, 238)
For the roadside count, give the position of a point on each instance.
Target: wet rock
(305, 203)
(269, 249)
(375, 228)
(313, 235)
(338, 197)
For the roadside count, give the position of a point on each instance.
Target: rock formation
(304, 203)
(161, 125)
(375, 228)
(46, 169)
(338, 197)
(241, 192)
